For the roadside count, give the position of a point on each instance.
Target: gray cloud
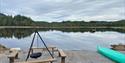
(58, 10)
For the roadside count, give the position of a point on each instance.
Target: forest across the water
(19, 20)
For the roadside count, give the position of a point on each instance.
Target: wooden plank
(39, 61)
(61, 53)
(50, 48)
(12, 56)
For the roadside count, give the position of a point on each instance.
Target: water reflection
(68, 39)
(22, 33)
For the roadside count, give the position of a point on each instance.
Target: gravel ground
(86, 57)
(73, 56)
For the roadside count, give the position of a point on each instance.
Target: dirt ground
(83, 56)
(86, 57)
(2, 48)
(73, 56)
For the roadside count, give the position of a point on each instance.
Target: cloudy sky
(59, 10)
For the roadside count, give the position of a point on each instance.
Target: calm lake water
(67, 39)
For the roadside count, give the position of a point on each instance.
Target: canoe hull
(111, 54)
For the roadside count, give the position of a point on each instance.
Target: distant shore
(57, 27)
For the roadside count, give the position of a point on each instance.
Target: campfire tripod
(30, 49)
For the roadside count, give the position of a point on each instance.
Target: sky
(61, 10)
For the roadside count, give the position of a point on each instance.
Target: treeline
(19, 20)
(120, 23)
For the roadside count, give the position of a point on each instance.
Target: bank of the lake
(59, 27)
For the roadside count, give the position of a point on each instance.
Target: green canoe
(111, 54)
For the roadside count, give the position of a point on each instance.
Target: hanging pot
(36, 55)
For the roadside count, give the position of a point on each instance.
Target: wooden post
(62, 55)
(59, 54)
(63, 60)
(16, 56)
(52, 51)
(13, 55)
(11, 59)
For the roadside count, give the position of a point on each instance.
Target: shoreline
(58, 27)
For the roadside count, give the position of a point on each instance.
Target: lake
(67, 39)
